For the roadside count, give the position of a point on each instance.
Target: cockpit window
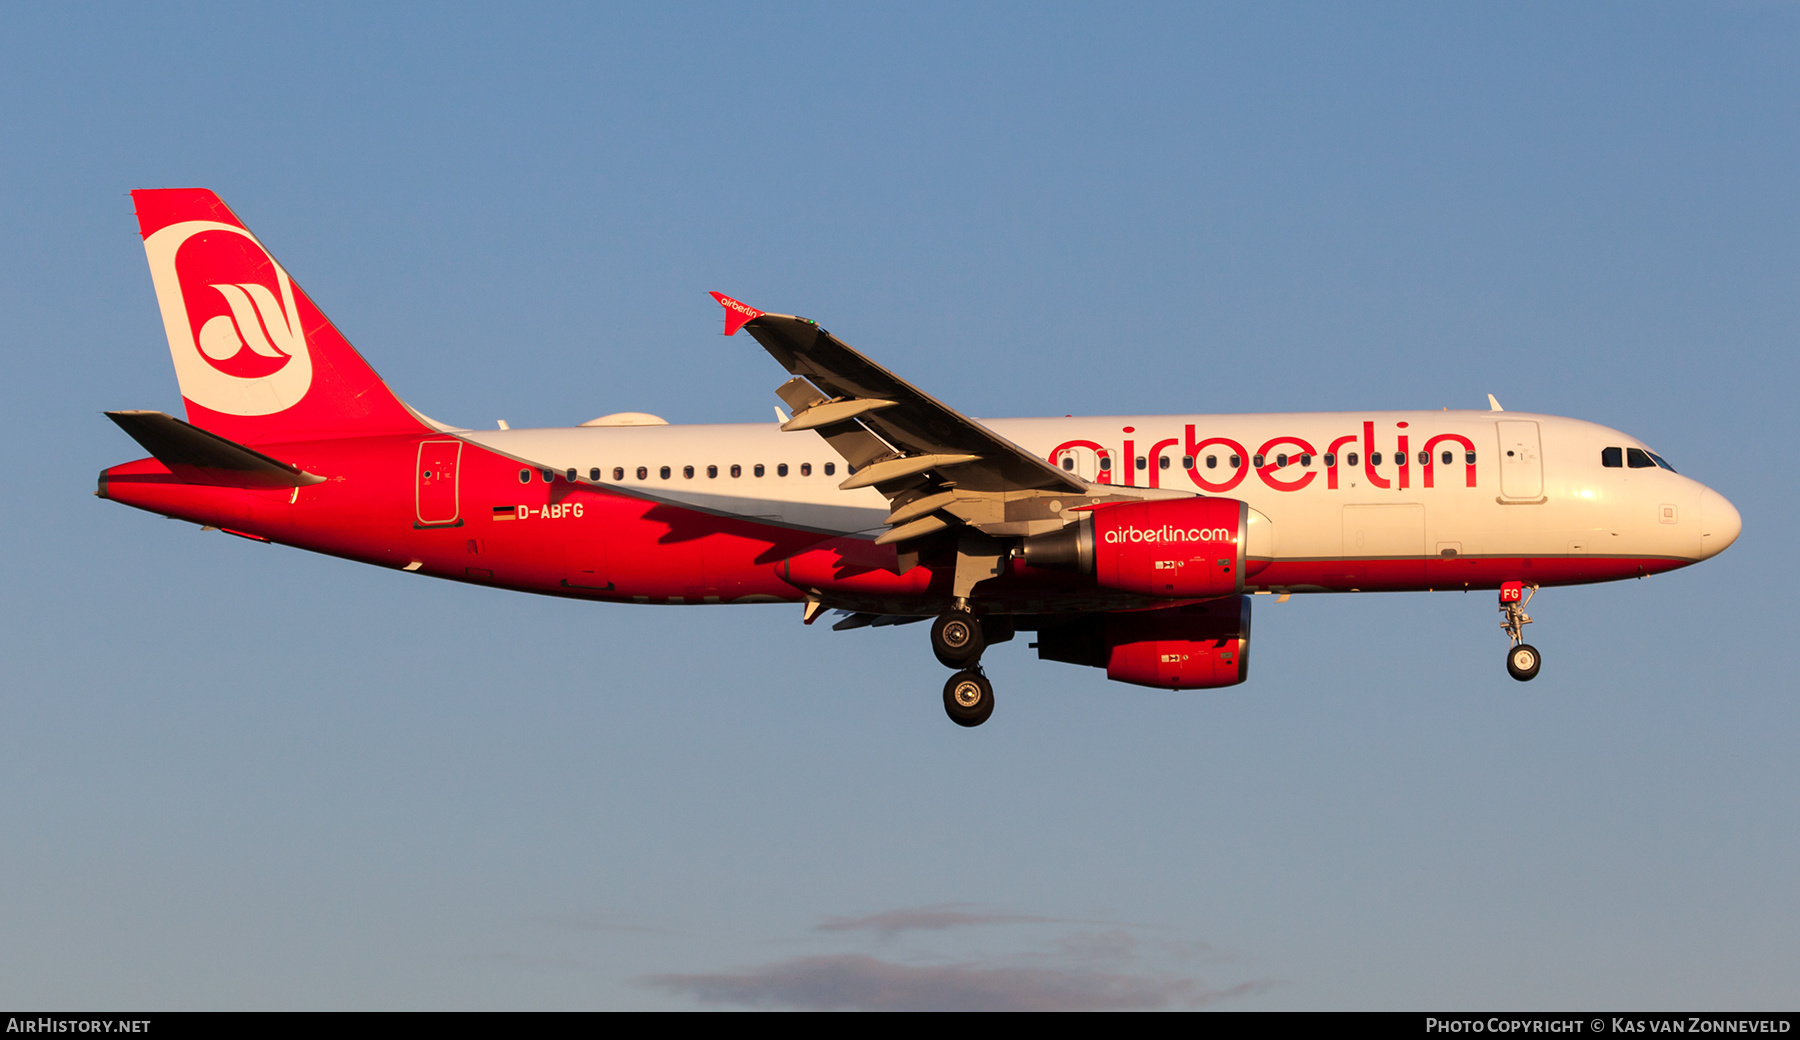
(1612, 458)
(1638, 458)
(1658, 459)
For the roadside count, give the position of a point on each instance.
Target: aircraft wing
(925, 456)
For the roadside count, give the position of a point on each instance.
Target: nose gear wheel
(1523, 661)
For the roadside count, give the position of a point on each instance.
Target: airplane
(1129, 543)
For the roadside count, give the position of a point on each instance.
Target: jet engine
(1179, 549)
(1196, 647)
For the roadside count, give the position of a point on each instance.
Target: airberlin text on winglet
(736, 313)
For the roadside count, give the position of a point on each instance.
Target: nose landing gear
(1523, 660)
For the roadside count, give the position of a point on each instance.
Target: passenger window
(1212, 462)
(1424, 458)
(618, 472)
(1399, 458)
(1305, 460)
(758, 470)
(1330, 458)
(524, 476)
(1105, 464)
(1448, 458)
(781, 470)
(806, 469)
(643, 473)
(831, 469)
(1162, 462)
(1187, 462)
(737, 470)
(1068, 462)
(1142, 463)
(1350, 459)
(1280, 460)
(594, 474)
(663, 473)
(688, 472)
(1638, 458)
(1236, 462)
(712, 472)
(1257, 461)
(1612, 458)
(570, 474)
(1469, 457)
(549, 475)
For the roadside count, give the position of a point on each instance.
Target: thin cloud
(856, 982)
(597, 922)
(1116, 946)
(534, 962)
(924, 918)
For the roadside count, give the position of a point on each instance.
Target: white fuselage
(1539, 487)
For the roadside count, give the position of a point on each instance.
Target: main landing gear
(969, 698)
(958, 640)
(1523, 660)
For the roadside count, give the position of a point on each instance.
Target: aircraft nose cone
(1719, 524)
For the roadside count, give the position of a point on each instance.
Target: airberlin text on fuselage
(1169, 534)
(1345, 455)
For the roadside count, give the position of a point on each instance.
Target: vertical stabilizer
(257, 361)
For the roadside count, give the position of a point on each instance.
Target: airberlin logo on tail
(255, 320)
(228, 309)
(1167, 534)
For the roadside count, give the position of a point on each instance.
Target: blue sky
(243, 776)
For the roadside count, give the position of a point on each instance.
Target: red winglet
(736, 314)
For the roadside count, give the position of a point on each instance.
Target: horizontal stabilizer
(199, 457)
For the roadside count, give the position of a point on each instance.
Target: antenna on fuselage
(1493, 405)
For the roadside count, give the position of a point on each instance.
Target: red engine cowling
(1180, 549)
(1196, 647)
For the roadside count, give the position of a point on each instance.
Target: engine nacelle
(1178, 548)
(1196, 647)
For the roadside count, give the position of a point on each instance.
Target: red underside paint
(570, 539)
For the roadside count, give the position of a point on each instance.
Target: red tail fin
(257, 361)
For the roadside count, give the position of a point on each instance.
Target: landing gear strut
(1523, 660)
(969, 698)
